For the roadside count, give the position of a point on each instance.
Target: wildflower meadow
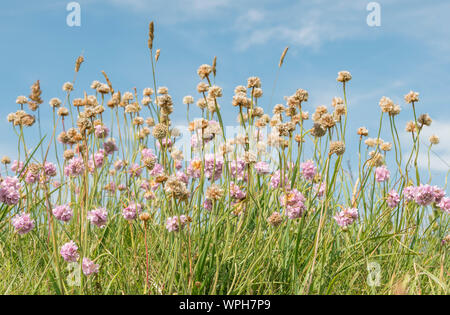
(116, 197)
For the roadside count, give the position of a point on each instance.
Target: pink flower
(382, 174)
(148, 153)
(17, 166)
(31, 178)
(69, 252)
(135, 170)
(213, 166)
(157, 170)
(393, 199)
(98, 217)
(130, 212)
(237, 168)
(319, 190)
(182, 177)
(262, 168)
(110, 146)
(207, 204)
(75, 167)
(22, 223)
(346, 217)
(89, 267)
(424, 195)
(275, 180)
(308, 170)
(236, 192)
(294, 203)
(50, 169)
(101, 131)
(194, 169)
(10, 191)
(444, 204)
(174, 224)
(409, 193)
(63, 213)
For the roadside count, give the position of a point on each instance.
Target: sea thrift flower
(50, 169)
(174, 224)
(409, 193)
(31, 177)
(89, 267)
(22, 223)
(75, 167)
(293, 201)
(381, 174)
(237, 168)
(444, 204)
(69, 252)
(17, 166)
(424, 195)
(207, 204)
(194, 169)
(213, 166)
(135, 170)
(63, 213)
(393, 199)
(262, 168)
(319, 189)
(10, 191)
(110, 146)
(236, 192)
(157, 170)
(275, 219)
(346, 217)
(275, 180)
(308, 170)
(101, 131)
(130, 212)
(98, 217)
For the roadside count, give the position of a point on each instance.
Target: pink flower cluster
(424, 195)
(346, 217)
(213, 166)
(22, 223)
(393, 199)
(275, 180)
(89, 267)
(10, 191)
(101, 131)
(382, 174)
(308, 170)
(130, 213)
(98, 217)
(236, 192)
(63, 213)
(50, 169)
(69, 252)
(74, 167)
(262, 168)
(237, 168)
(175, 223)
(294, 203)
(17, 166)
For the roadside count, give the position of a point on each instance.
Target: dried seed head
(6, 160)
(275, 219)
(344, 76)
(214, 192)
(151, 35)
(282, 57)
(434, 139)
(363, 132)
(78, 63)
(204, 70)
(160, 131)
(337, 147)
(412, 97)
(425, 120)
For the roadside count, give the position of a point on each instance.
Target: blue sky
(409, 50)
